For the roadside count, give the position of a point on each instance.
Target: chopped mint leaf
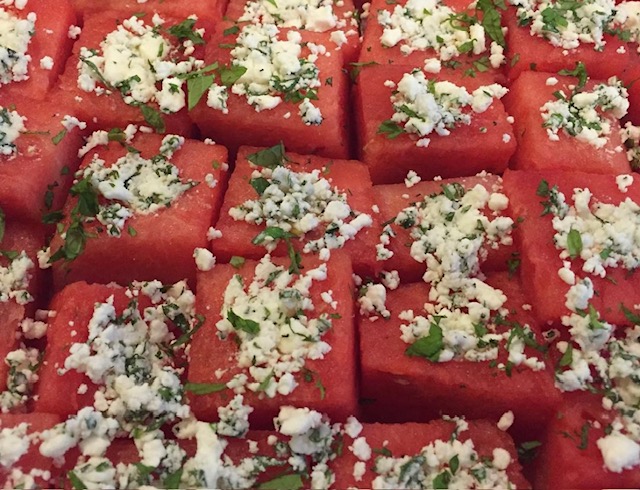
(390, 128)
(288, 481)
(59, 137)
(204, 388)
(429, 346)
(236, 261)
(579, 71)
(248, 326)
(185, 30)
(574, 243)
(269, 157)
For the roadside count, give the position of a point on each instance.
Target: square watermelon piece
(430, 455)
(212, 10)
(296, 175)
(447, 34)
(147, 88)
(337, 19)
(299, 327)
(458, 141)
(41, 46)
(155, 182)
(299, 95)
(104, 338)
(501, 368)
(576, 264)
(631, 78)
(24, 463)
(549, 140)
(604, 55)
(38, 156)
(570, 455)
(397, 202)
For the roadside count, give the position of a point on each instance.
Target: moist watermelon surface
(460, 310)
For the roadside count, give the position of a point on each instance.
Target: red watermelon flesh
(184, 225)
(242, 125)
(569, 456)
(37, 422)
(345, 22)
(540, 258)
(349, 176)
(109, 109)
(36, 178)
(400, 388)
(393, 198)
(49, 40)
(528, 94)
(528, 52)
(408, 439)
(211, 9)
(374, 51)
(486, 144)
(336, 372)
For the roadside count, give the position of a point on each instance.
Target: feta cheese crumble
(15, 36)
(584, 114)
(423, 106)
(272, 71)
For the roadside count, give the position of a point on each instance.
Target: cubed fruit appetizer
(127, 69)
(114, 352)
(21, 464)
(21, 285)
(38, 146)
(273, 84)
(435, 124)
(476, 352)
(578, 242)
(449, 453)
(125, 192)
(212, 10)
(433, 34)
(568, 123)
(36, 44)
(583, 447)
(318, 204)
(549, 39)
(412, 211)
(336, 18)
(279, 332)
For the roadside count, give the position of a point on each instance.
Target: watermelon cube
(430, 455)
(570, 457)
(41, 46)
(335, 18)
(37, 165)
(486, 143)
(557, 288)
(209, 9)
(23, 463)
(528, 52)
(301, 100)
(538, 149)
(349, 177)
(303, 367)
(104, 338)
(631, 78)
(405, 33)
(392, 199)
(105, 92)
(183, 204)
(400, 384)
